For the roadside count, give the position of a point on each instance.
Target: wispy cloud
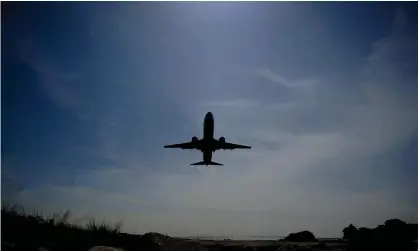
(325, 153)
(57, 84)
(233, 103)
(365, 131)
(276, 78)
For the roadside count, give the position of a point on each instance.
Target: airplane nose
(209, 115)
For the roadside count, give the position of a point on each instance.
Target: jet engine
(194, 139)
(222, 139)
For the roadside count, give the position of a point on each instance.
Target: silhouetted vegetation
(26, 231)
(103, 227)
(304, 236)
(33, 231)
(393, 235)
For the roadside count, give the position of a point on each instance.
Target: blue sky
(324, 93)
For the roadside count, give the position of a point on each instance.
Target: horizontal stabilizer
(202, 163)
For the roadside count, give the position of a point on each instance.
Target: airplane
(208, 144)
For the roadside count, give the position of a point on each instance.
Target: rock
(304, 236)
(273, 247)
(27, 244)
(42, 249)
(156, 242)
(197, 247)
(159, 242)
(301, 248)
(249, 248)
(104, 248)
(304, 248)
(287, 248)
(6, 246)
(232, 248)
(216, 247)
(319, 246)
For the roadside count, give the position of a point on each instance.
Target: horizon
(111, 225)
(325, 94)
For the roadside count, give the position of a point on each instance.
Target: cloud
(57, 85)
(294, 176)
(99, 113)
(276, 78)
(400, 21)
(324, 154)
(233, 103)
(264, 94)
(10, 185)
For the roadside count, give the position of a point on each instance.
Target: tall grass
(103, 227)
(61, 220)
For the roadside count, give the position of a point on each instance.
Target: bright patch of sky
(325, 93)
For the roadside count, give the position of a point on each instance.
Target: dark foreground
(28, 232)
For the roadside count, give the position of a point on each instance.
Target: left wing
(231, 146)
(187, 145)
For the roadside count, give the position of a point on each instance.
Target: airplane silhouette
(208, 144)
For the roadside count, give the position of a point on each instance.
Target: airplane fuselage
(208, 126)
(207, 156)
(208, 129)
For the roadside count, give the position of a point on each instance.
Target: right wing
(187, 145)
(231, 146)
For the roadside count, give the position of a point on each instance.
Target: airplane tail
(202, 163)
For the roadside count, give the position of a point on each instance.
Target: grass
(34, 229)
(17, 213)
(104, 227)
(31, 230)
(17, 216)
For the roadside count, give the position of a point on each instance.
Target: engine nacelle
(194, 139)
(222, 139)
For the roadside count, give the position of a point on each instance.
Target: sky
(325, 93)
